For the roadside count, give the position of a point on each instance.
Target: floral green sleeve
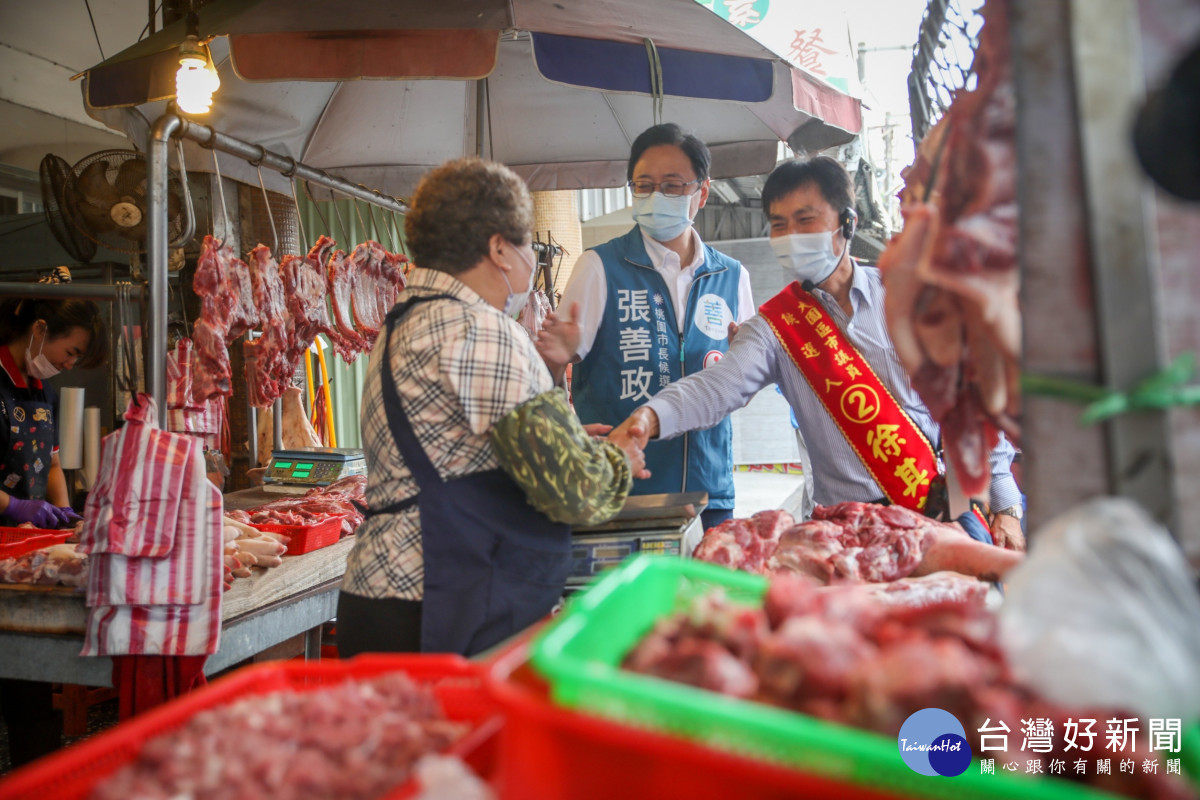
(566, 474)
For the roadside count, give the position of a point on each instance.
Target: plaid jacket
(460, 365)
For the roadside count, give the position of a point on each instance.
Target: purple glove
(67, 517)
(39, 512)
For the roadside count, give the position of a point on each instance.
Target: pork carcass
(305, 291)
(268, 371)
(227, 310)
(951, 274)
(342, 277)
(368, 295)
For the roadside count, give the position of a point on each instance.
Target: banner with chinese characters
(813, 36)
(889, 444)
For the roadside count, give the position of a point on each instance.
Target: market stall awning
(381, 92)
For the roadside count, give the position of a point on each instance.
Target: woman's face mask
(39, 366)
(516, 301)
(810, 257)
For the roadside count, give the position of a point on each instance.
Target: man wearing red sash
(824, 341)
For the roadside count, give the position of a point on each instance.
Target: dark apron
(26, 465)
(494, 565)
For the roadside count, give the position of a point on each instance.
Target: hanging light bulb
(196, 79)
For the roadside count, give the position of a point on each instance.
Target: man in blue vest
(650, 307)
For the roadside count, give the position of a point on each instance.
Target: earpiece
(848, 219)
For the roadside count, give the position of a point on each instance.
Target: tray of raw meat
(817, 678)
(370, 727)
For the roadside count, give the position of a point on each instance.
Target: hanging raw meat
(394, 269)
(363, 287)
(227, 311)
(304, 289)
(342, 276)
(369, 290)
(951, 274)
(268, 371)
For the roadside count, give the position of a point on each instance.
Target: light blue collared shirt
(756, 360)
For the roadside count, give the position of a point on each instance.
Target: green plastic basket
(580, 656)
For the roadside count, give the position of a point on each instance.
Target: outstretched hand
(558, 340)
(597, 430)
(632, 441)
(634, 434)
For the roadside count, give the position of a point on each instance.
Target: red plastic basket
(306, 538)
(71, 774)
(551, 753)
(19, 541)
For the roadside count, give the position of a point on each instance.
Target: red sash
(891, 447)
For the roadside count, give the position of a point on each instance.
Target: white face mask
(39, 366)
(515, 301)
(663, 218)
(808, 256)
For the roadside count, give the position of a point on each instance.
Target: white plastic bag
(1104, 613)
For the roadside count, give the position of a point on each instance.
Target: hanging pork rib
(227, 311)
(363, 287)
(268, 371)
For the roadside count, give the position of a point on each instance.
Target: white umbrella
(556, 90)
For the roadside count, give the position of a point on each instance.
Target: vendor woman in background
(476, 463)
(40, 338)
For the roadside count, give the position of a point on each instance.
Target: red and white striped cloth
(153, 525)
(185, 415)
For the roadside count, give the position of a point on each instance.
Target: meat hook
(270, 216)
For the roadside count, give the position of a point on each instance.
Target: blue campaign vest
(638, 351)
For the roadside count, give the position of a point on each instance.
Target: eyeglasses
(669, 188)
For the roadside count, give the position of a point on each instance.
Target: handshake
(631, 436)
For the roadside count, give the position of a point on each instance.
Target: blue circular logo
(933, 742)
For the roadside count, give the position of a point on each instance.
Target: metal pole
(277, 421)
(156, 227)
(58, 291)
(156, 256)
(256, 154)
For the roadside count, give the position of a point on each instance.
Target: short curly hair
(459, 206)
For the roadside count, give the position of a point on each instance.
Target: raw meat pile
(951, 274)
(745, 544)
(337, 499)
(839, 654)
(287, 301)
(353, 741)
(851, 543)
(60, 564)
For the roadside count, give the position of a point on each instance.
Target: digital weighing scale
(666, 524)
(297, 471)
